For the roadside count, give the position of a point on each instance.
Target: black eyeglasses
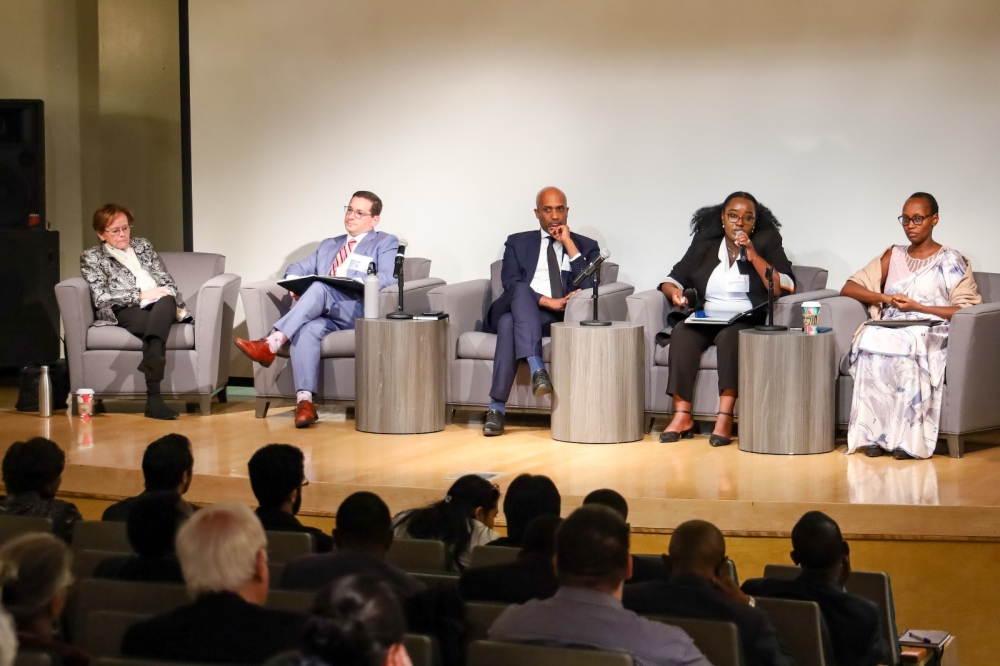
(916, 219)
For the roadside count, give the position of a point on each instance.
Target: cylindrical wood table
(598, 380)
(400, 375)
(788, 385)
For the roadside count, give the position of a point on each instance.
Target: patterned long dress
(899, 372)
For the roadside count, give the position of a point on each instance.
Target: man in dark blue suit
(537, 277)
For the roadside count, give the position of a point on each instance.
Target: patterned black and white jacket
(111, 284)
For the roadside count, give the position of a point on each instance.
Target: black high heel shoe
(719, 440)
(671, 437)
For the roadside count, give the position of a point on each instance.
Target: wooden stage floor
(744, 494)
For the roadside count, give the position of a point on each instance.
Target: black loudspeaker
(29, 314)
(22, 164)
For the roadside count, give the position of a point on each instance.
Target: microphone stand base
(770, 328)
(595, 322)
(399, 315)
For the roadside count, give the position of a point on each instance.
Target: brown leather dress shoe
(305, 414)
(256, 350)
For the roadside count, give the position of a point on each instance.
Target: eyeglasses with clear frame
(349, 212)
(120, 231)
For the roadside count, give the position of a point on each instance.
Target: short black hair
(592, 548)
(528, 497)
(370, 196)
(363, 519)
(817, 542)
(929, 198)
(540, 536)
(32, 466)
(275, 471)
(153, 522)
(609, 498)
(165, 462)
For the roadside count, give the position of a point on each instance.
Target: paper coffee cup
(810, 316)
(85, 403)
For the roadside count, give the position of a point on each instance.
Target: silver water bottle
(45, 393)
(371, 292)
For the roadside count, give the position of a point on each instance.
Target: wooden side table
(599, 383)
(400, 375)
(787, 391)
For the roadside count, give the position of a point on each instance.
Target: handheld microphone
(399, 258)
(592, 268)
(743, 249)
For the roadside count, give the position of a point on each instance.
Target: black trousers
(689, 341)
(147, 324)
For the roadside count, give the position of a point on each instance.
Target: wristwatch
(752, 602)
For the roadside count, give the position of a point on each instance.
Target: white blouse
(727, 290)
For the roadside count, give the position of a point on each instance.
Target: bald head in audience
(697, 547)
(818, 545)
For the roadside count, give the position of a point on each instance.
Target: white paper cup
(85, 403)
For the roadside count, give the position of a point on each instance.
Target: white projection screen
(456, 112)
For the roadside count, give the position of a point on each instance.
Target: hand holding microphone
(742, 240)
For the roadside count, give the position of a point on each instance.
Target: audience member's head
(363, 523)
(609, 498)
(356, 621)
(592, 550)
(153, 522)
(35, 574)
(540, 537)
(470, 498)
(697, 547)
(167, 464)
(34, 466)
(223, 548)
(817, 545)
(277, 474)
(528, 497)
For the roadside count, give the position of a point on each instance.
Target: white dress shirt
(727, 290)
(540, 282)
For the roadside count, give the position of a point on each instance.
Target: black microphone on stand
(397, 272)
(592, 268)
(743, 249)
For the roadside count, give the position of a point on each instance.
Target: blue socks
(499, 406)
(535, 363)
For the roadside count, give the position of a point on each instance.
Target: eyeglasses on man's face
(360, 214)
(916, 219)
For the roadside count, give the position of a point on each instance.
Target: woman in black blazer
(713, 277)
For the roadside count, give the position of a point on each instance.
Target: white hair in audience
(218, 548)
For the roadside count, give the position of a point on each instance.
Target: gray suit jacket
(111, 284)
(381, 247)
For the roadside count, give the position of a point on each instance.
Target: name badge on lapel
(738, 284)
(358, 262)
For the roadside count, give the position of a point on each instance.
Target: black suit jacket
(854, 623)
(137, 568)
(312, 572)
(694, 597)
(119, 511)
(528, 577)
(520, 259)
(275, 520)
(218, 628)
(702, 257)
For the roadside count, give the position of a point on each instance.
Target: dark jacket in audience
(531, 576)
(694, 597)
(218, 628)
(276, 520)
(62, 514)
(118, 512)
(140, 569)
(312, 572)
(853, 622)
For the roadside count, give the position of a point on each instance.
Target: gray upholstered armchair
(104, 358)
(972, 372)
(650, 309)
(265, 303)
(470, 350)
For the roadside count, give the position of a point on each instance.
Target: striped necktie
(342, 255)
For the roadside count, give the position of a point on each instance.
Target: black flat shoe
(873, 451)
(900, 454)
(494, 423)
(541, 384)
(719, 440)
(671, 436)
(157, 409)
